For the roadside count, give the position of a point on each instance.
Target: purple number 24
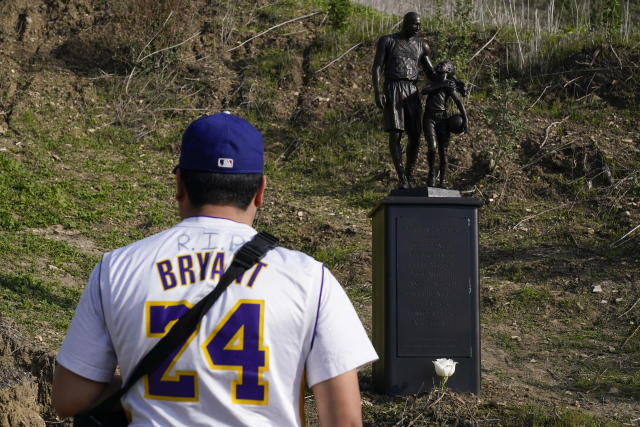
(234, 344)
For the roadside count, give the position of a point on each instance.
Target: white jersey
(244, 364)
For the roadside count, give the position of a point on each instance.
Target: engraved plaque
(433, 285)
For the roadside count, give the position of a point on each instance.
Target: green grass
(538, 417)
(31, 247)
(509, 344)
(333, 256)
(271, 66)
(603, 378)
(61, 189)
(531, 297)
(347, 153)
(36, 302)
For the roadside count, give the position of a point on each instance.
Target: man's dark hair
(224, 189)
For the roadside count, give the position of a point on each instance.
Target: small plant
(503, 114)
(339, 12)
(333, 256)
(529, 297)
(607, 15)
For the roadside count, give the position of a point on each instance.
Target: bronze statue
(400, 55)
(437, 125)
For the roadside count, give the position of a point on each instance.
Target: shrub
(339, 12)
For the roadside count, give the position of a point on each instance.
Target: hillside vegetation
(94, 96)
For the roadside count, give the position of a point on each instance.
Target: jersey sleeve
(87, 350)
(339, 343)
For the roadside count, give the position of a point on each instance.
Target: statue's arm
(426, 60)
(461, 87)
(378, 62)
(435, 86)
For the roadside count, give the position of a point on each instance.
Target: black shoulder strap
(250, 253)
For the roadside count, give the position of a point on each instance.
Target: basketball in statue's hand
(456, 123)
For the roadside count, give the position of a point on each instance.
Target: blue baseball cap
(222, 143)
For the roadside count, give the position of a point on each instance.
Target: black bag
(114, 419)
(105, 413)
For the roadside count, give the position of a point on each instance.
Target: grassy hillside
(94, 100)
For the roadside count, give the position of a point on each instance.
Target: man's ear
(260, 193)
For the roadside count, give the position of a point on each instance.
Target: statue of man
(401, 55)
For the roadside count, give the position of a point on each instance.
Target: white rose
(445, 367)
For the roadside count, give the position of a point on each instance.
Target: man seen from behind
(283, 321)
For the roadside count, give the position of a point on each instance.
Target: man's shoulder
(292, 260)
(419, 41)
(388, 38)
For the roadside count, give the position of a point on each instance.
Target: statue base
(426, 299)
(425, 192)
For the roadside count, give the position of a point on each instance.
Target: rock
(597, 289)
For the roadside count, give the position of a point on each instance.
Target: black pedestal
(425, 293)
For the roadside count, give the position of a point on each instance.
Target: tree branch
(485, 45)
(273, 28)
(194, 35)
(546, 132)
(540, 97)
(614, 244)
(339, 57)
